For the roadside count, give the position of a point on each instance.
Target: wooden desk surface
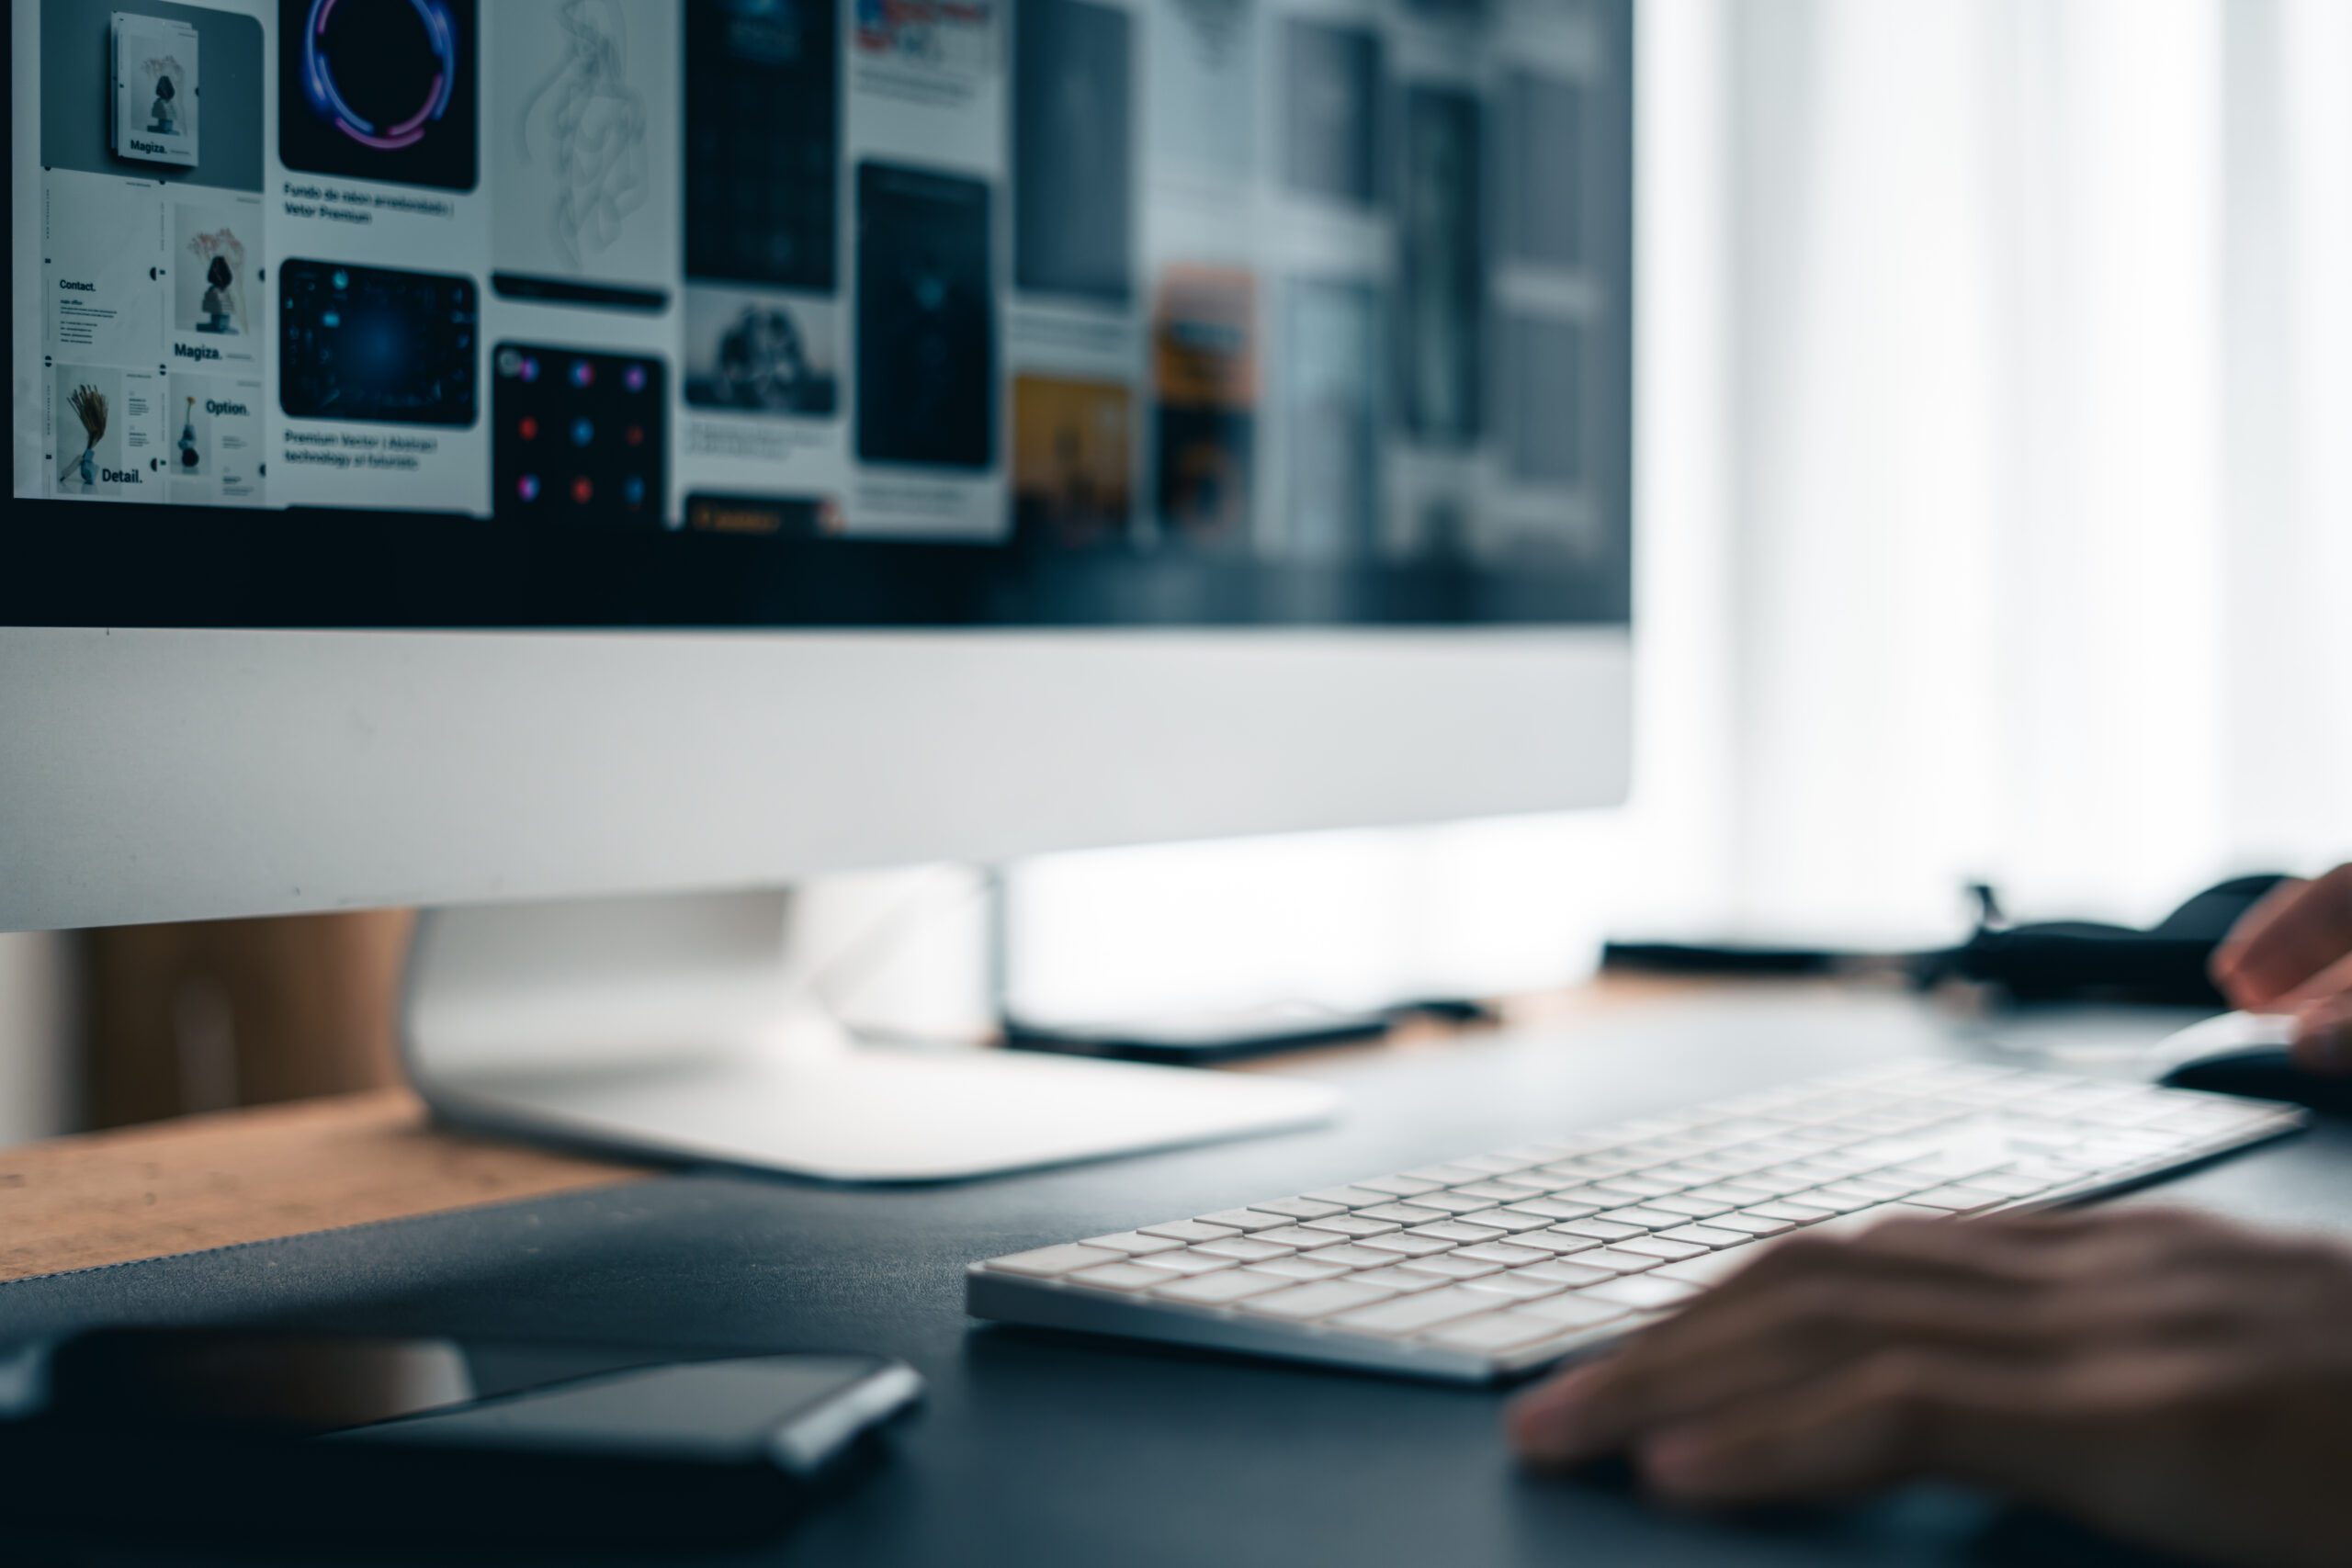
(247, 1176)
(275, 1171)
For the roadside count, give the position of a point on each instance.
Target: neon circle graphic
(319, 85)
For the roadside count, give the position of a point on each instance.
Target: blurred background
(1994, 498)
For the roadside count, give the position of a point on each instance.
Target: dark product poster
(212, 260)
(1203, 92)
(1073, 149)
(762, 130)
(1332, 365)
(1546, 142)
(380, 90)
(1444, 267)
(926, 319)
(953, 38)
(761, 353)
(1205, 359)
(1331, 111)
(1547, 368)
(369, 343)
(769, 516)
(156, 82)
(1072, 483)
(152, 90)
(578, 437)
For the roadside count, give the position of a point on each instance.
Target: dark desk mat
(1042, 1449)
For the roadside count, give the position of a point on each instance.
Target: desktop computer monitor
(471, 452)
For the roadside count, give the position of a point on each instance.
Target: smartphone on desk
(247, 1435)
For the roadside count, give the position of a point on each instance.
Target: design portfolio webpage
(1302, 278)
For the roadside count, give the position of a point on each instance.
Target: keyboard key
(1684, 1177)
(1825, 1198)
(1492, 1191)
(1407, 1243)
(1245, 1219)
(1749, 1223)
(1052, 1262)
(1552, 1149)
(1551, 1209)
(2012, 1184)
(1411, 1314)
(1565, 1272)
(1691, 1207)
(1243, 1248)
(1592, 1192)
(1878, 1189)
(1645, 1291)
(1960, 1164)
(1505, 1253)
(1348, 1197)
(1496, 1331)
(1638, 1188)
(1184, 1262)
(1119, 1277)
(1553, 1244)
(1505, 1220)
(1956, 1199)
(1303, 1266)
(1398, 1278)
(1818, 1171)
(1453, 1203)
(1597, 1229)
(1310, 1301)
(1518, 1287)
(1135, 1244)
(1190, 1230)
(1575, 1311)
(1863, 1219)
(1451, 1265)
(1498, 1164)
(1457, 1231)
(1300, 1208)
(1401, 1214)
(1709, 1236)
(1617, 1260)
(1748, 1190)
(1297, 1237)
(1600, 1167)
(1447, 1175)
(1218, 1289)
(1351, 1225)
(1795, 1213)
(1712, 1269)
(1350, 1256)
(1397, 1186)
(1645, 1219)
(1658, 1246)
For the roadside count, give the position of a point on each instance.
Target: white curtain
(2040, 535)
(1995, 510)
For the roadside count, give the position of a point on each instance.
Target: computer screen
(821, 311)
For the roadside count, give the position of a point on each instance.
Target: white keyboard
(1500, 1264)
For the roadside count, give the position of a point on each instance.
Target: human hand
(2292, 953)
(2160, 1375)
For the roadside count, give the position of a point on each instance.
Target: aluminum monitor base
(667, 1028)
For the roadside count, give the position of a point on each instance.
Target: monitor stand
(667, 1028)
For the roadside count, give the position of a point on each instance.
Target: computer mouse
(2248, 1056)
